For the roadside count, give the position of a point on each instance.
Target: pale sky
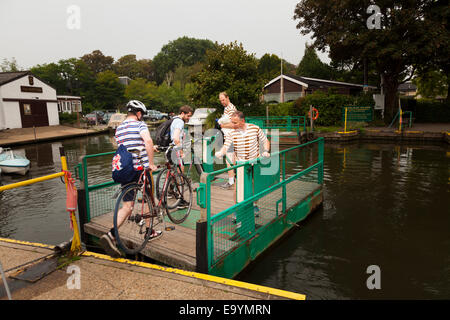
(36, 31)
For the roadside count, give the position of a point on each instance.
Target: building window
(59, 106)
(27, 109)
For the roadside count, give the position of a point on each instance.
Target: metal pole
(5, 282)
(345, 129)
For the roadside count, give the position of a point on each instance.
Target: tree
(69, 76)
(129, 66)
(142, 90)
(9, 66)
(184, 74)
(438, 60)
(98, 62)
(228, 68)
(183, 51)
(431, 84)
(109, 92)
(312, 66)
(50, 73)
(405, 37)
(269, 66)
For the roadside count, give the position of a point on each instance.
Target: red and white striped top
(246, 142)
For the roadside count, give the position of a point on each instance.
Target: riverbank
(421, 132)
(433, 132)
(23, 136)
(104, 278)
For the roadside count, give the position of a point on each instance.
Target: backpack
(122, 165)
(162, 134)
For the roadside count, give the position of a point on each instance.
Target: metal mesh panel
(101, 202)
(231, 230)
(298, 189)
(241, 224)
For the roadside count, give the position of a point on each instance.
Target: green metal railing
(98, 196)
(273, 195)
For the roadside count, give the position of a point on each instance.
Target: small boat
(13, 163)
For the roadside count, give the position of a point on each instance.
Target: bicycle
(137, 216)
(176, 168)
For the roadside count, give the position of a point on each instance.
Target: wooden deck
(177, 248)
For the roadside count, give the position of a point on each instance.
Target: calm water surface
(386, 205)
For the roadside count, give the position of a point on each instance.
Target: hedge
(427, 110)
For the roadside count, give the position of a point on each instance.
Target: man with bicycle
(133, 133)
(177, 135)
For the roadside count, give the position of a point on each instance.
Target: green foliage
(269, 67)
(9, 66)
(412, 33)
(312, 66)
(97, 62)
(129, 66)
(109, 92)
(228, 68)
(183, 51)
(427, 111)
(67, 118)
(163, 97)
(282, 109)
(328, 105)
(431, 84)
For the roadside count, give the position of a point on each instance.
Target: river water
(385, 205)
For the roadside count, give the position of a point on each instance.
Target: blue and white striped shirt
(128, 133)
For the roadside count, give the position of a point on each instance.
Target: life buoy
(315, 112)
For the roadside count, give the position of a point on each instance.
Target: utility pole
(281, 81)
(366, 85)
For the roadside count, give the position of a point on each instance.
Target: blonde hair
(224, 93)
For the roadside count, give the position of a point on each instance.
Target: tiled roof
(6, 77)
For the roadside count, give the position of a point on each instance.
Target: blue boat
(13, 163)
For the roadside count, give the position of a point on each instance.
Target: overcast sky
(42, 31)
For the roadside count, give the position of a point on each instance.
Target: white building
(125, 80)
(26, 101)
(69, 104)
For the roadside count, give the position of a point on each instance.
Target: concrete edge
(255, 291)
(265, 291)
(52, 138)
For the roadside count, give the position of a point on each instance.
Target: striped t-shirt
(246, 142)
(227, 113)
(128, 133)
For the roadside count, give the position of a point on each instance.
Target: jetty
(222, 234)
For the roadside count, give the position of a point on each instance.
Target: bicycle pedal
(170, 228)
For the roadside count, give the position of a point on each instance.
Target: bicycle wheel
(133, 213)
(181, 195)
(160, 180)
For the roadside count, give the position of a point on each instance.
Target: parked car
(155, 115)
(95, 117)
(107, 116)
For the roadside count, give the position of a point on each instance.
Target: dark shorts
(130, 195)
